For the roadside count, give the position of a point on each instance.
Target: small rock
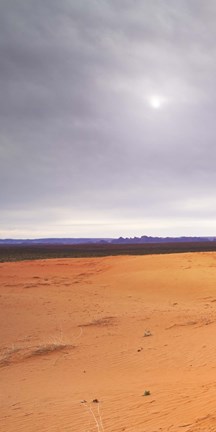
(146, 393)
(147, 333)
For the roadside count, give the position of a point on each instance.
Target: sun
(155, 102)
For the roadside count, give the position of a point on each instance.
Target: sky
(107, 118)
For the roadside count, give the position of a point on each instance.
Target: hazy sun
(155, 102)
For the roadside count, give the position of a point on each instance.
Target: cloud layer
(82, 151)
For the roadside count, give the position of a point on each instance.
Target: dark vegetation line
(33, 252)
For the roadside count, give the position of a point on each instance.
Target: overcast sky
(107, 118)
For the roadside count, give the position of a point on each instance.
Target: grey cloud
(78, 136)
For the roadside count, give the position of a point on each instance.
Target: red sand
(73, 330)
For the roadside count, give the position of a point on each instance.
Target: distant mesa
(146, 240)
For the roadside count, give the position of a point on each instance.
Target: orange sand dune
(75, 330)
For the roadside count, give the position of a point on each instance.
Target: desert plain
(124, 343)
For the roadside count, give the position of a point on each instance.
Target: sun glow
(155, 102)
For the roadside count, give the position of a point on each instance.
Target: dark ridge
(50, 241)
(32, 252)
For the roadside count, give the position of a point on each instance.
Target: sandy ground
(75, 330)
